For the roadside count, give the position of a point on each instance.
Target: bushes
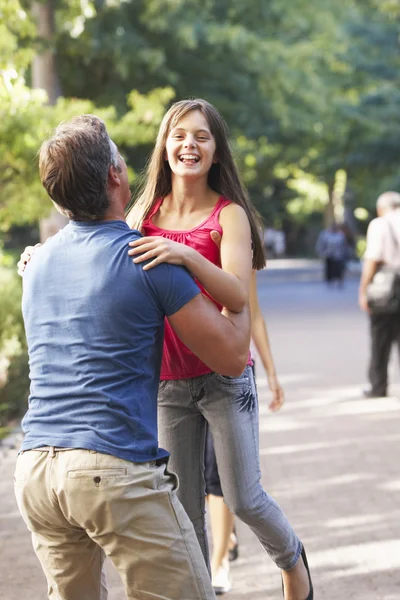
(14, 381)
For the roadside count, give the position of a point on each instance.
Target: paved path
(329, 457)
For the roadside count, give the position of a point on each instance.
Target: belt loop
(52, 452)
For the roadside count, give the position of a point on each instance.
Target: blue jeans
(230, 407)
(211, 475)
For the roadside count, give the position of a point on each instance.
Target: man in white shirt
(383, 248)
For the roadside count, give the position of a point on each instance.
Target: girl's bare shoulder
(232, 212)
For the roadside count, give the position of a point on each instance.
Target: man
(332, 247)
(90, 478)
(383, 248)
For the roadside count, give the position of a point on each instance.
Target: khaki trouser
(79, 503)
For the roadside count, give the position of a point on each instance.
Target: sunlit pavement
(330, 458)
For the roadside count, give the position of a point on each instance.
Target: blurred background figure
(350, 241)
(332, 247)
(274, 242)
(269, 241)
(383, 249)
(280, 243)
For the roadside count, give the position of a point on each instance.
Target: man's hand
(25, 258)
(369, 269)
(362, 301)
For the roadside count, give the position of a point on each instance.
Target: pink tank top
(178, 362)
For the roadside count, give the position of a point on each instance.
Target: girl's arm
(260, 338)
(229, 286)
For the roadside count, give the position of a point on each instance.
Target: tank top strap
(153, 210)
(213, 220)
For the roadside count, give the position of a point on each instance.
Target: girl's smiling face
(190, 148)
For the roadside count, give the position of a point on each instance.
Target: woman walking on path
(192, 189)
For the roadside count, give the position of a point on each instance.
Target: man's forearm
(239, 333)
(368, 272)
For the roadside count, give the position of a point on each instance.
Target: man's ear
(113, 176)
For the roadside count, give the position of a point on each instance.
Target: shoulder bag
(383, 293)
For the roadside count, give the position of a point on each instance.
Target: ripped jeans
(230, 407)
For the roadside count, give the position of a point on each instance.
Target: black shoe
(234, 552)
(311, 592)
(370, 393)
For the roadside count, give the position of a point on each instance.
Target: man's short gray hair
(74, 164)
(114, 155)
(388, 200)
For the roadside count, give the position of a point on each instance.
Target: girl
(192, 188)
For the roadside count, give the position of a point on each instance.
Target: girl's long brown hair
(223, 176)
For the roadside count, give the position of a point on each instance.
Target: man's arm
(221, 341)
(372, 259)
(369, 269)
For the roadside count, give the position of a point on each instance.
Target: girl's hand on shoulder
(278, 396)
(25, 258)
(158, 250)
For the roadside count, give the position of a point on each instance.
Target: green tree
(26, 118)
(305, 87)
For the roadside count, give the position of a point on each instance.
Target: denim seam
(194, 385)
(192, 559)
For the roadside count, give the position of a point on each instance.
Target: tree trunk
(349, 206)
(44, 70)
(329, 214)
(45, 77)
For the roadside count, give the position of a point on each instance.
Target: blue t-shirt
(95, 323)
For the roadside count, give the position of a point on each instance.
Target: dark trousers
(385, 331)
(334, 269)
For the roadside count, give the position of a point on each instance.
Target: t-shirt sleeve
(375, 235)
(173, 287)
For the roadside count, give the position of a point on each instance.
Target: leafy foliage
(307, 88)
(13, 351)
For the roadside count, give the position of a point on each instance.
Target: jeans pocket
(23, 467)
(238, 391)
(237, 382)
(96, 473)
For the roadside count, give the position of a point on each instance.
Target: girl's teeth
(189, 158)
